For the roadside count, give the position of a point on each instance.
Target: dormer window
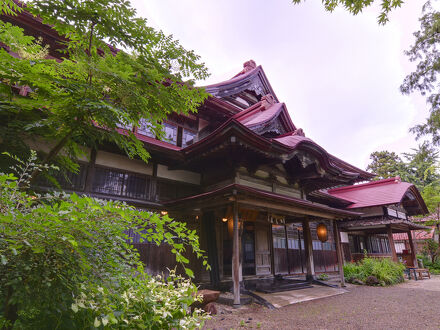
(188, 137)
(128, 127)
(170, 133)
(145, 128)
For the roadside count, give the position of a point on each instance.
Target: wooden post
(391, 240)
(90, 171)
(236, 257)
(287, 249)
(310, 276)
(339, 252)
(413, 251)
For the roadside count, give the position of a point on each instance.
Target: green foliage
(66, 262)
(385, 164)
(420, 167)
(81, 100)
(432, 249)
(356, 6)
(384, 269)
(424, 51)
(323, 277)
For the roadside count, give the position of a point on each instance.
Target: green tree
(425, 52)
(385, 164)
(66, 262)
(116, 71)
(431, 248)
(431, 196)
(421, 166)
(356, 6)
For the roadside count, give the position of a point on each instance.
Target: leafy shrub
(385, 270)
(323, 277)
(66, 262)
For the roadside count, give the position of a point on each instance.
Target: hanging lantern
(322, 232)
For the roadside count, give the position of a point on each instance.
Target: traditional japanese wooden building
(386, 207)
(258, 191)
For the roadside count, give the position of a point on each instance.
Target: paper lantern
(322, 232)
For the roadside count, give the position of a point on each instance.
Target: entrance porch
(257, 239)
(374, 237)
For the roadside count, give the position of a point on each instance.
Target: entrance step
(277, 284)
(267, 288)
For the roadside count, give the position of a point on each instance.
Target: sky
(338, 74)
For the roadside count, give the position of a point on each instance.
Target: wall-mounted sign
(276, 219)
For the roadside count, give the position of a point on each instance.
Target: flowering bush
(66, 262)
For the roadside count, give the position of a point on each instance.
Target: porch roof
(261, 199)
(379, 225)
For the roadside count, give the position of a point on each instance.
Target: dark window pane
(108, 181)
(135, 185)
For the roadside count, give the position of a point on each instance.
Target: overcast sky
(339, 75)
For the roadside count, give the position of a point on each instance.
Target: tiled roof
(416, 235)
(375, 193)
(381, 221)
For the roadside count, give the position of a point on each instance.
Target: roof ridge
(395, 179)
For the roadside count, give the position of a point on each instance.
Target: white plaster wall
(46, 146)
(370, 211)
(124, 163)
(178, 175)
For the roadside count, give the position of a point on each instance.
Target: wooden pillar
(90, 171)
(413, 250)
(236, 257)
(308, 244)
(209, 230)
(339, 252)
(287, 249)
(391, 240)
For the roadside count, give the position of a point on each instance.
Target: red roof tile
(375, 193)
(416, 234)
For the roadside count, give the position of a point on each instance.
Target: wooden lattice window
(118, 183)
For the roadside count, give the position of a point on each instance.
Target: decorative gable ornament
(267, 101)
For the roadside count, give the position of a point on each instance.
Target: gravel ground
(414, 305)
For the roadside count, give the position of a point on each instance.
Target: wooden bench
(421, 272)
(418, 272)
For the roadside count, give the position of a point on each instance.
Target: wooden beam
(391, 240)
(236, 257)
(291, 210)
(308, 243)
(411, 246)
(339, 252)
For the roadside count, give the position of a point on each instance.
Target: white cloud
(339, 75)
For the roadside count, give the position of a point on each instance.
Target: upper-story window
(128, 127)
(145, 128)
(170, 133)
(188, 137)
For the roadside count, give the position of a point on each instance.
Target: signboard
(276, 219)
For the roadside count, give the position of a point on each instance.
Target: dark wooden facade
(239, 172)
